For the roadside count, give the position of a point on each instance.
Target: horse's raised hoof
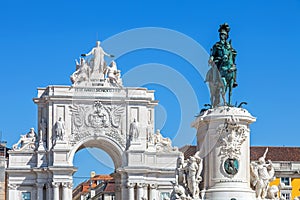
(234, 85)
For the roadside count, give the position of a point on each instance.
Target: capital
(12, 186)
(153, 186)
(40, 185)
(55, 184)
(140, 185)
(130, 184)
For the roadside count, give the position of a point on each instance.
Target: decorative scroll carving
(153, 186)
(130, 184)
(232, 136)
(97, 119)
(55, 184)
(12, 186)
(67, 185)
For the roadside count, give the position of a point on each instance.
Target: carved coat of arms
(97, 119)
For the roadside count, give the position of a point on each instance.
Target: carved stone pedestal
(223, 137)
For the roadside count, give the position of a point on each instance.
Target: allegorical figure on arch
(97, 61)
(222, 74)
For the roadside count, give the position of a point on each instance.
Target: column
(124, 192)
(40, 191)
(153, 191)
(118, 192)
(145, 188)
(70, 190)
(130, 186)
(65, 191)
(55, 187)
(140, 191)
(48, 191)
(12, 191)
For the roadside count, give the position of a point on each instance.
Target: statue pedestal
(223, 141)
(60, 153)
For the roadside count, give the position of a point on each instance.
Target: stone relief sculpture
(26, 142)
(59, 130)
(97, 119)
(232, 135)
(222, 75)
(188, 178)
(262, 173)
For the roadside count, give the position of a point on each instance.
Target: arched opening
(101, 156)
(90, 160)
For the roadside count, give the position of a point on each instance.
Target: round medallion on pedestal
(231, 166)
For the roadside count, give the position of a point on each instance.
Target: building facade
(98, 187)
(3, 166)
(286, 161)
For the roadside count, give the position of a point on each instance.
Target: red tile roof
(110, 187)
(85, 186)
(102, 177)
(188, 150)
(274, 153)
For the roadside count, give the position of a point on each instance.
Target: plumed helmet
(224, 28)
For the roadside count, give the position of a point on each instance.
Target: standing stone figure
(59, 129)
(133, 130)
(188, 178)
(194, 170)
(180, 171)
(222, 76)
(43, 130)
(262, 173)
(97, 62)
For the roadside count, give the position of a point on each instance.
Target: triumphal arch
(95, 111)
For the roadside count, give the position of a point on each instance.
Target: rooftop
(274, 153)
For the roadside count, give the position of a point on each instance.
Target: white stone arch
(110, 146)
(144, 167)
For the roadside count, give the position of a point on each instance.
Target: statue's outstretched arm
(109, 55)
(265, 154)
(89, 53)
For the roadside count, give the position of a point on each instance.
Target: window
(287, 196)
(26, 196)
(285, 180)
(164, 195)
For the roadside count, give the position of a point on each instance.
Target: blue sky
(39, 41)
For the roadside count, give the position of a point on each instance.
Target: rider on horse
(222, 75)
